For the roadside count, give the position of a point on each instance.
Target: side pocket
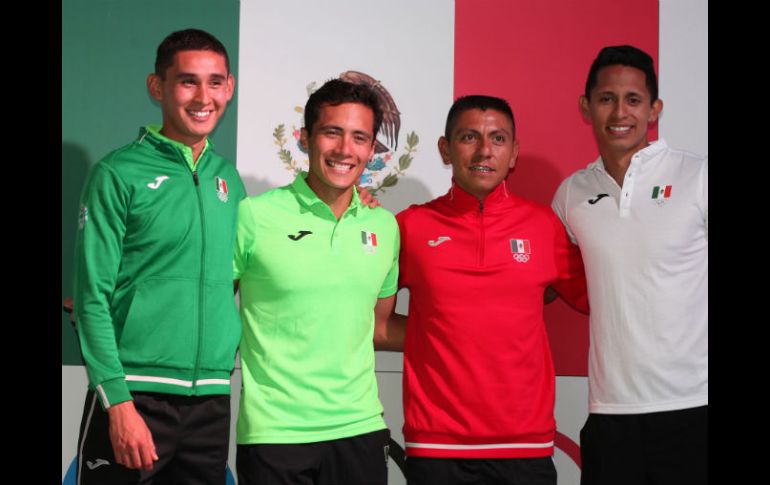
(222, 327)
(161, 325)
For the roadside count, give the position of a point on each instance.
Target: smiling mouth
(481, 168)
(339, 166)
(619, 130)
(199, 114)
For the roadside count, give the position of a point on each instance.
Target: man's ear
(657, 107)
(154, 86)
(304, 139)
(443, 149)
(514, 154)
(584, 105)
(230, 86)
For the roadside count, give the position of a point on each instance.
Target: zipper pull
(481, 206)
(195, 177)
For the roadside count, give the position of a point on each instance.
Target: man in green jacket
(156, 318)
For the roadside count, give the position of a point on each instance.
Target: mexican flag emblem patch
(369, 241)
(221, 189)
(660, 193)
(521, 250)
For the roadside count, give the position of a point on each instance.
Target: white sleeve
(559, 206)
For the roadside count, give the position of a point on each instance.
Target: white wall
(683, 74)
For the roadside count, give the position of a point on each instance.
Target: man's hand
(367, 198)
(68, 305)
(131, 438)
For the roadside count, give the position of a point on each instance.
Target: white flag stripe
(280, 55)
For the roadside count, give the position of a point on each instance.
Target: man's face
(481, 150)
(341, 143)
(193, 95)
(620, 110)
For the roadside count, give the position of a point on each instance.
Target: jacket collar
(465, 202)
(640, 158)
(152, 134)
(309, 199)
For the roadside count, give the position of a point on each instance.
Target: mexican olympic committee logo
(382, 171)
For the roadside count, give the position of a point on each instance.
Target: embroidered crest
(661, 193)
(521, 250)
(221, 189)
(82, 216)
(369, 241)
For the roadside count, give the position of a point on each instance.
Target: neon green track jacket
(153, 271)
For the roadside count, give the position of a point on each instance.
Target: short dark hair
(335, 92)
(186, 40)
(624, 55)
(477, 101)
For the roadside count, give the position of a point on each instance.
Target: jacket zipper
(200, 282)
(481, 242)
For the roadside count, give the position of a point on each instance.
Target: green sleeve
(98, 250)
(390, 285)
(244, 239)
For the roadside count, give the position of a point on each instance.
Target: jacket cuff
(113, 392)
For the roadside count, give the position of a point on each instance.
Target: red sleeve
(571, 277)
(403, 259)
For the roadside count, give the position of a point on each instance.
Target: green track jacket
(153, 271)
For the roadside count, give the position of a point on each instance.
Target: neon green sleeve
(244, 239)
(390, 285)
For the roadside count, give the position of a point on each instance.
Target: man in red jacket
(478, 375)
